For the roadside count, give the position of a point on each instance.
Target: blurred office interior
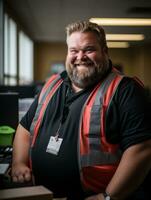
(32, 37)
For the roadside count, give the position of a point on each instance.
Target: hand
(96, 197)
(20, 173)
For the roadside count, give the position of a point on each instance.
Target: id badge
(54, 145)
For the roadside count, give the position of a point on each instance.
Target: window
(25, 59)
(10, 52)
(20, 72)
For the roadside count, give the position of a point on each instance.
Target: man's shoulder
(64, 75)
(130, 90)
(130, 82)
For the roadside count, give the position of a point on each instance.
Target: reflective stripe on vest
(92, 143)
(98, 158)
(45, 96)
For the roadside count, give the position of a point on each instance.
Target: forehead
(82, 39)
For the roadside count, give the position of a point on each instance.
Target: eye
(89, 50)
(73, 51)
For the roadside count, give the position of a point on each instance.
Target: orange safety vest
(98, 159)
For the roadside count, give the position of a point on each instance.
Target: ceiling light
(125, 37)
(122, 21)
(118, 44)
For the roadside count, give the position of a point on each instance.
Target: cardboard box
(26, 193)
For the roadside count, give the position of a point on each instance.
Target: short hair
(86, 26)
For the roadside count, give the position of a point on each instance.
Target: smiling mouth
(83, 64)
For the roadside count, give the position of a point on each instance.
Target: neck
(75, 88)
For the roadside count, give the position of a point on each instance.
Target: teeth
(82, 64)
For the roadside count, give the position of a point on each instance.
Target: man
(88, 131)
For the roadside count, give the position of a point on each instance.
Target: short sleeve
(129, 119)
(28, 117)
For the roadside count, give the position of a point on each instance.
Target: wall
(135, 61)
(47, 54)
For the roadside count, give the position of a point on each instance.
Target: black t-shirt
(127, 123)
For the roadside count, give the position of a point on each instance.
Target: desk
(22, 191)
(26, 193)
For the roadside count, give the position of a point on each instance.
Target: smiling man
(89, 126)
(87, 60)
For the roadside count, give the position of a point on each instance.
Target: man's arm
(20, 163)
(132, 170)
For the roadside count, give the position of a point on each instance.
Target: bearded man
(88, 133)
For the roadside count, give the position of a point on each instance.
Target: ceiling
(46, 20)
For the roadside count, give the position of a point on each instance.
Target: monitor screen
(24, 91)
(9, 109)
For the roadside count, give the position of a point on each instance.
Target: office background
(41, 24)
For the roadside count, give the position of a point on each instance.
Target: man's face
(86, 61)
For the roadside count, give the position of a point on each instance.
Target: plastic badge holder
(6, 135)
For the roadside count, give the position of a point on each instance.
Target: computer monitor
(24, 91)
(9, 109)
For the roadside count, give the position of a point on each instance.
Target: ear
(105, 50)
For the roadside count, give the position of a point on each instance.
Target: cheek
(70, 59)
(95, 59)
(98, 59)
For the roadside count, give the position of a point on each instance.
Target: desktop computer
(8, 122)
(9, 109)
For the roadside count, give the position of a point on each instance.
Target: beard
(86, 74)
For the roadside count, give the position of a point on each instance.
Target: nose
(81, 55)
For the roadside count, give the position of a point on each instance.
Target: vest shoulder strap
(46, 94)
(94, 115)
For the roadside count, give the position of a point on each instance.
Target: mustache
(84, 63)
